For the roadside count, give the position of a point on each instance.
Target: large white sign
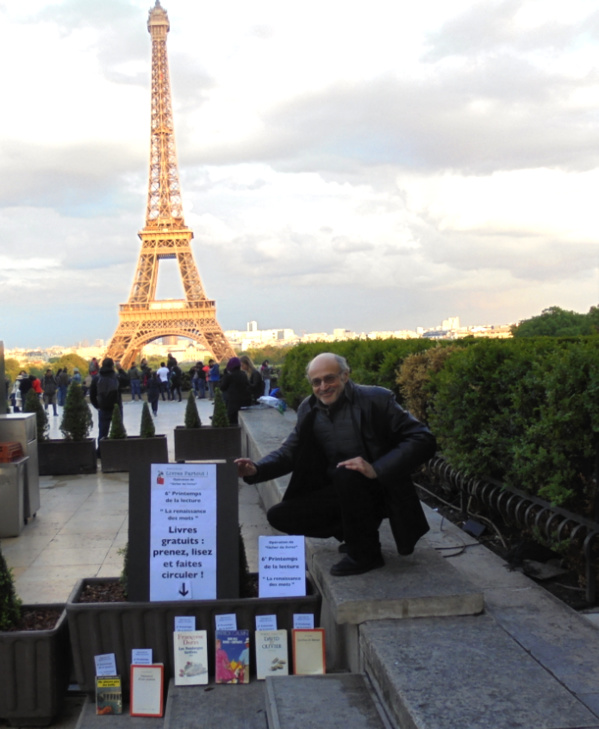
(183, 532)
(282, 567)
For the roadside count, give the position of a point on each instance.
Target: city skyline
(372, 169)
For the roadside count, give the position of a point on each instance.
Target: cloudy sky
(379, 165)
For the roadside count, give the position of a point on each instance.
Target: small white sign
(141, 656)
(303, 621)
(184, 623)
(281, 566)
(226, 622)
(266, 622)
(106, 665)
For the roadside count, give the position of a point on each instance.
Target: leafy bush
(76, 417)
(192, 416)
(117, 428)
(147, 428)
(10, 604)
(33, 404)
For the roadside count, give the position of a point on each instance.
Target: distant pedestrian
(94, 367)
(153, 390)
(175, 376)
(63, 381)
(76, 378)
(254, 377)
(104, 394)
(135, 382)
(49, 387)
(213, 377)
(265, 371)
(163, 373)
(236, 389)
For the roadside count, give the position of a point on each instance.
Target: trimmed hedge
(522, 411)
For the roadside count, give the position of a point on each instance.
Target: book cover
(147, 690)
(308, 652)
(232, 656)
(190, 657)
(271, 653)
(109, 695)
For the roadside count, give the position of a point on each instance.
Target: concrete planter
(118, 627)
(120, 453)
(62, 457)
(207, 443)
(35, 669)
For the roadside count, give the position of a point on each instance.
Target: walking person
(63, 381)
(175, 380)
(153, 390)
(163, 373)
(49, 387)
(135, 382)
(213, 377)
(104, 394)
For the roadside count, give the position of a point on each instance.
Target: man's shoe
(349, 566)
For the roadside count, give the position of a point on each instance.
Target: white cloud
(379, 166)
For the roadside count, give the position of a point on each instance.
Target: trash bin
(12, 497)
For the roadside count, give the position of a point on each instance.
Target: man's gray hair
(341, 361)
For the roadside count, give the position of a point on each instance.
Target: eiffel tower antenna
(144, 318)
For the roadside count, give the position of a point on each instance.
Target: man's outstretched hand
(245, 467)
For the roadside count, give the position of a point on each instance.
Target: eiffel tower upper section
(165, 235)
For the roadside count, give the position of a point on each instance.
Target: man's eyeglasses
(326, 380)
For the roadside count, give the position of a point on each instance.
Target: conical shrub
(117, 428)
(34, 405)
(220, 419)
(192, 416)
(146, 428)
(77, 419)
(10, 604)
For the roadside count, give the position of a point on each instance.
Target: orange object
(10, 451)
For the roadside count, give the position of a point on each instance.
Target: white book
(271, 653)
(190, 657)
(308, 652)
(147, 690)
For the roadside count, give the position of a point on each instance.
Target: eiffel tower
(144, 318)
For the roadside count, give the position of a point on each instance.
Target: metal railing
(523, 510)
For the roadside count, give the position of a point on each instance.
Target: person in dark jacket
(235, 387)
(104, 394)
(153, 390)
(254, 377)
(351, 455)
(49, 387)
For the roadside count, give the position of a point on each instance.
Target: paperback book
(308, 652)
(147, 690)
(232, 658)
(191, 657)
(109, 695)
(271, 653)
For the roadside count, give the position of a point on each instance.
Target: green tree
(220, 419)
(10, 604)
(33, 404)
(76, 417)
(192, 416)
(556, 322)
(70, 361)
(146, 428)
(117, 428)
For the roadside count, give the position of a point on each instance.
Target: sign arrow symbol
(183, 591)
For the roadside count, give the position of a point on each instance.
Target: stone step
(333, 701)
(216, 706)
(464, 672)
(88, 719)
